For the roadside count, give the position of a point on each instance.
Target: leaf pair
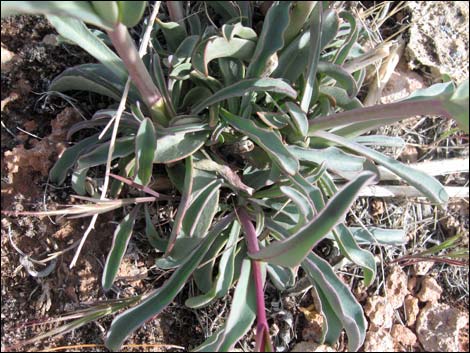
(98, 13)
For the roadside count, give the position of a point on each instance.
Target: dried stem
(412, 259)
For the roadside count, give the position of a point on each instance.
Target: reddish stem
(126, 49)
(176, 12)
(262, 328)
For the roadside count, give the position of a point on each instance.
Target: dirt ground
(33, 134)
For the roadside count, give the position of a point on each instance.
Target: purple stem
(262, 328)
(126, 49)
(176, 12)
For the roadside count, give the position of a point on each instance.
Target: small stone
(379, 311)
(409, 155)
(378, 341)
(422, 268)
(396, 285)
(50, 39)
(401, 84)
(314, 328)
(7, 59)
(308, 346)
(438, 327)
(411, 310)
(30, 125)
(360, 292)
(403, 336)
(430, 290)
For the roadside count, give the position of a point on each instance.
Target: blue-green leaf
(426, 184)
(201, 211)
(266, 139)
(271, 38)
(241, 317)
(342, 77)
(171, 148)
(224, 278)
(344, 164)
(59, 171)
(299, 13)
(124, 146)
(145, 147)
(298, 118)
(173, 32)
(290, 252)
(155, 302)
(313, 57)
(218, 47)
(81, 10)
(76, 31)
(130, 12)
(249, 85)
(121, 238)
(339, 299)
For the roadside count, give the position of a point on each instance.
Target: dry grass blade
(143, 188)
(75, 211)
(122, 105)
(88, 346)
(410, 260)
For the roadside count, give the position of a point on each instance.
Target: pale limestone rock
(438, 37)
(378, 341)
(411, 310)
(430, 290)
(402, 83)
(422, 268)
(403, 336)
(438, 327)
(379, 311)
(396, 285)
(309, 346)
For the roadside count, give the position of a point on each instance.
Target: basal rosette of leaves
(251, 118)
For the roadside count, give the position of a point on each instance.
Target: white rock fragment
(430, 290)
(396, 286)
(379, 311)
(438, 327)
(422, 268)
(402, 83)
(403, 336)
(309, 346)
(411, 310)
(378, 341)
(7, 59)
